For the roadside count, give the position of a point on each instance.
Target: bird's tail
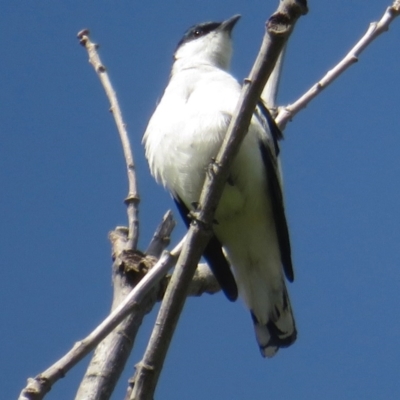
(280, 329)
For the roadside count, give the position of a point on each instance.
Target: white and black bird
(250, 251)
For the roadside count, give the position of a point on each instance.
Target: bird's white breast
(187, 129)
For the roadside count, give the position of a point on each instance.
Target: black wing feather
(273, 127)
(278, 210)
(214, 257)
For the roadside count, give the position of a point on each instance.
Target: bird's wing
(265, 118)
(269, 157)
(214, 257)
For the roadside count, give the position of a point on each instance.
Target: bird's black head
(206, 43)
(197, 31)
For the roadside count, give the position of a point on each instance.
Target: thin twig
(133, 199)
(279, 28)
(161, 237)
(375, 29)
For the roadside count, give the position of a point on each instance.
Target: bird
(249, 252)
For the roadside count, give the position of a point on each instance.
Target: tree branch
(111, 354)
(279, 28)
(375, 29)
(133, 199)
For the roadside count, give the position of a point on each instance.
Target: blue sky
(63, 182)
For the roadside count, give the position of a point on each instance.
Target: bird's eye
(197, 32)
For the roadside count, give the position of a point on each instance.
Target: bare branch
(133, 199)
(375, 29)
(279, 28)
(161, 237)
(111, 354)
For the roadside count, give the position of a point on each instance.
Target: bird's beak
(229, 23)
